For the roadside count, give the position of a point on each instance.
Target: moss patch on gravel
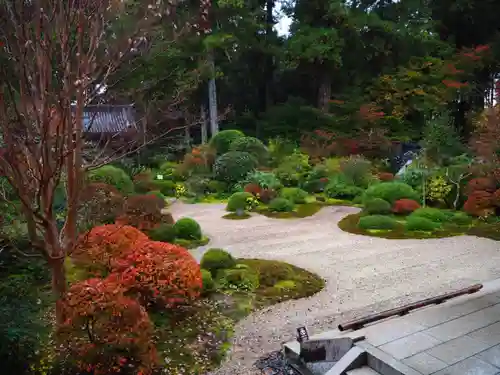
(234, 216)
(301, 211)
(192, 244)
(350, 224)
(194, 339)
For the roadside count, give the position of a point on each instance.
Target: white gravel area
(363, 274)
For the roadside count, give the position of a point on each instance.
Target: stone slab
(356, 357)
(383, 363)
(491, 356)
(410, 345)
(363, 371)
(425, 363)
(390, 330)
(458, 349)
(489, 334)
(470, 366)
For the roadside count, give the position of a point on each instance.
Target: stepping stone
(365, 370)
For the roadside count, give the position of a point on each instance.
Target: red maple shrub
(385, 176)
(101, 204)
(95, 249)
(105, 332)
(142, 212)
(480, 184)
(253, 189)
(479, 203)
(144, 182)
(267, 195)
(405, 206)
(160, 273)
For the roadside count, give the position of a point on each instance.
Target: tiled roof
(107, 118)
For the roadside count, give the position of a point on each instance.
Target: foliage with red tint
(496, 198)
(373, 143)
(479, 203)
(267, 195)
(454, 84)
(480, 184)
(99, 246)
(405, 206)
(385, 176)
(253, 188)
(159, 273)
(370, 112)
(486, 142)
(104, 331)
(101, 203)
(144, 181)
(142, 211)
(319, 144)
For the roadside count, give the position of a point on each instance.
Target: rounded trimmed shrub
(234, 166)
(253, 146)
(163, 233)
(405, 206)
(377, 222)
(461, 218)
(339, 187)
(422, 224)
(207, 282)
(188, 229)
(221, 142)
(167, 187)
(377, 206)
(215, 260)
(433, 214)
(114, 176)
(238, 201)
(281, 205)
(391, 192)
(294, 194)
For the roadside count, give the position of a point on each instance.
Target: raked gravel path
(363, 274)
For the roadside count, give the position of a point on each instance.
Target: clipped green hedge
(377, 206)
(114, 176)
(377, 222)
(391, 192)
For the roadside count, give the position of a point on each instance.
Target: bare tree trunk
(212, 96)
(204, 136)
(324, 92)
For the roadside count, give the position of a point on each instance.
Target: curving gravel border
(363, 274)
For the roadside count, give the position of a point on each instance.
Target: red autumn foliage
(486, 142)
(106, 332)
(454, 84)
(373, 143)
(370, 112)
(144, 181)
(99, 246)
(160, 273)
(385, 176)
(101, 203)
(253, 188)
(480, 184)
(496, 198)
(267, 195)
(142, 211)
(479, 203)
(319, 144)
(405, 206)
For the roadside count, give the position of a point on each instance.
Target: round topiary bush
(461, 218)
(238, 201)
(339, 187)
(188, 229)
(294, 194)
(221, 142)
(391, 192)
(405, 206)
(114, 176)
(167, 187)
(163, 233)
(433, 214)
(207, 282)
(217, 259)
(253, 146)
(281, 205)
(377, 222)
(422, 224)
(377, 206)
(234, 166)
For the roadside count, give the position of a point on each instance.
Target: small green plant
(180, 190)
(379, 222)
(391, 192)
(294, 194)
(377, 206)
(434, 214)
(281, 205)
(215, 260)
(438, 189)
(252, 202)
(422, 224)
(207, 282)
(238, 201)
(163, 233)
(188, 229)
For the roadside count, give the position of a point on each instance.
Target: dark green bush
(114, 176)
(416, 223)
(218, 187)
(238, 201)
(294, 194)
(376, 222)
(217, 259)
(434, 214)
(207, 282)
(197, 185)
(188, 229)
(270, 272)
(242, 278)
(167, 187)
(391, 192)
(234, 166)
(221, 142)
(377, 206)
(163, 233)
(340, 188)
(292, 168)
(461, 218)
(281, 205)
(357, 170)
(253, 146)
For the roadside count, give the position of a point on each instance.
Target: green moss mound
(301, 211)
(376, 222)
(215, 260)
(238, 201)
(234, 216)
(281, 205)
(377, 206)
(390, 192)
(433, 214)
(416, 223)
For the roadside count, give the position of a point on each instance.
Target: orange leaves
(370, 112)
(142, 211)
